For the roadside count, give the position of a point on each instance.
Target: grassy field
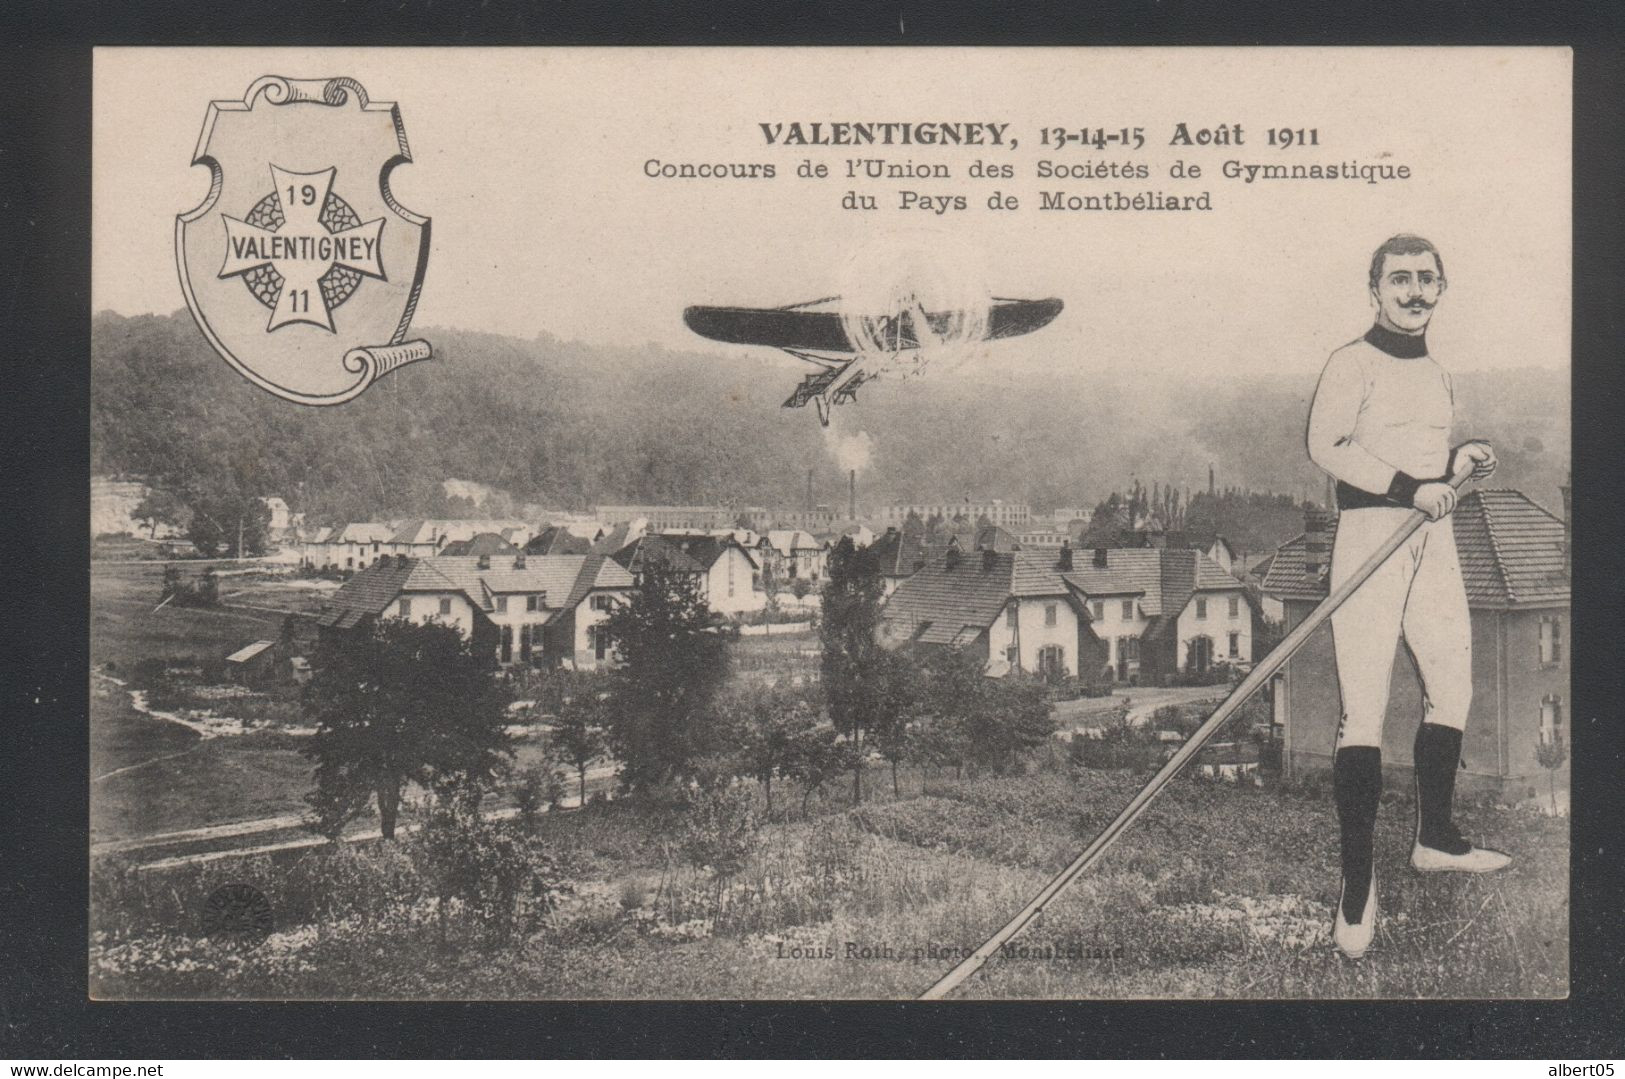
(167, 776)
(1219, 892)
(125, 628)
(186, 781)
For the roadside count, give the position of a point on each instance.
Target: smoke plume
(852, 452)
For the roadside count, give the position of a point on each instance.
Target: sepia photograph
(830, 524)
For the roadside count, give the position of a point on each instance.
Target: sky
(531, 163)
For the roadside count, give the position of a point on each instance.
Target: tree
(853, 679)
(770, 724)
(1013, 717)
(159, 507)
(951, 689)
(896, 692)
(399, 702)
(1550, 754)
(969, 718)
(772, 578)
(173, 584)
(816, 757)
(673, 660)
(225, 518)
(579, 703)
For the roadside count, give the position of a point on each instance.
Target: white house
(534, 610)
(1161, 611)
(1014, 610)
(798, 554)
(725, 570)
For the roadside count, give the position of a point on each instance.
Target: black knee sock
(1356, 785)
(1437, 753)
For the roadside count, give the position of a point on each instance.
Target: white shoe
(1477, 860)
(1353, 940)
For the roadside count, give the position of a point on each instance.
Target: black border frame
(44, 294)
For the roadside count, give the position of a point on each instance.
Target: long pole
(1259, 675)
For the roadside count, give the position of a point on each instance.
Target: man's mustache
(1417, 305)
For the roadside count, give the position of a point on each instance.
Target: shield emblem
(300, 267)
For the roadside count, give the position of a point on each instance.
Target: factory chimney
(809, 491)
(852, 495)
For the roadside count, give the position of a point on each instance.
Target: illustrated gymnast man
(1380, 425)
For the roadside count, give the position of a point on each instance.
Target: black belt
(1350, 497)
(1401, 492)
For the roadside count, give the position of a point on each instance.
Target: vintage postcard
(707, 523)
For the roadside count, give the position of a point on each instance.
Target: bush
(1221, 673)
(1171, 717)
(1119, 745)
(500, 878)
(718, 829)
(534, 788)
(150, 672)
(1071, 688)
(773, 616)
(373, 882)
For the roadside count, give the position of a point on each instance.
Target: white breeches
(1417, 593)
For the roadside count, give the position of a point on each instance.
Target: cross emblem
(302, 250)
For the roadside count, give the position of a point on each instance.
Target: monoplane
(850, 351)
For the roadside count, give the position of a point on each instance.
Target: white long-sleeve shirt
(1376, 414)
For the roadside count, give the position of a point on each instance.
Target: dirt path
(267, 826)
(150, 760)
(1143, 702)
(257, 607)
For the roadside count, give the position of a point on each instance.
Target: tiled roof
(410, 533)
(1163, 578)
(705, 550)
(1511, 551)
(939, 605)
(1286, 578)
(900, 551)
(1210, 575)
(1525, 545)
(614, 541)
(597, 571)
(635, 555)
(486, 543)
(939, 602)
(1036, 573)
(552, 575)
(1128, 571)
(788, 540)
(367, 593)
(1257, 566)
(433, 530)
(996, 538)
(365, 532)
(556, 540)
(562, 580)
(1179, 580)
(1159, 627)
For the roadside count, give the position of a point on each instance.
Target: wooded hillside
(567, 425)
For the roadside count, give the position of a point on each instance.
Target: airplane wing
(796, 329)
(775, 327)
